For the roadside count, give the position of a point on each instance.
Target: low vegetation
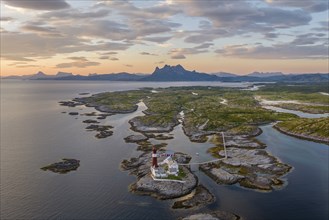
(213, 109)
(310, 128)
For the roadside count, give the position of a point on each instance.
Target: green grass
(181, 175)
(241, 115)
(312, 127)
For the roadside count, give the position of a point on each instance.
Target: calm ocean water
(34, 133)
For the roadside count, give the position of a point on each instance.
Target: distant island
(179, 73)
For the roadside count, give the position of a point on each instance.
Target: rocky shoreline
(302, 136)
(200, 197)
(138, 126)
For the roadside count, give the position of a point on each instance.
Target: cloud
(309, 39)
(156, 39)
(42, 30)
(26, 66)
(308, 5)
(6, 18)
(324, 27)
(47, 5)
(79, 62)
(278, 51)
(104, 57)
(33, 45)
(270, 35)
(114, 59)
(149, 54)
(16, 58)
(179, 53)
(17, 63)
(128, 9)
(203, 46)
(177, 56)
(128, 65)
(109, 53)
(234, 18)
(74, 14)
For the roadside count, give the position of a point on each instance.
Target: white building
(158, 172)
(172, 166)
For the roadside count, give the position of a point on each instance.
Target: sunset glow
(237, 36)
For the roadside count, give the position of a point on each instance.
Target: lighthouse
(154, 158)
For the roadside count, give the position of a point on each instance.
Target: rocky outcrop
(224, 177)
(73, 113)
(135, 138)
(165, 189)
(65, 166)
(70, 103)
(107, 109)
(251, 168)
(103, 130)
(137, 125)
(242, 141)
(160, 136)
(199, 198)
(90, 121)
(217, 215)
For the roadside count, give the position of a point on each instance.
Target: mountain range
(179, 73)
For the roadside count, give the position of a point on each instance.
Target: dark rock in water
(89, 121)
(65, 166)
(159, 136)
(135, 138)
(73, 113)
(199, 197)
(70, 103)
(217, 215)
(98, 127)
(104, 134)
(90, 114)
(103, 116)
(84, 93)
(63, 112)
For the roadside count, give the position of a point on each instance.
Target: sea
(35, 132)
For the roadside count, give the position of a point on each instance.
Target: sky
(236, 36)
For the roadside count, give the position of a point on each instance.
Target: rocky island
(146, 185)
(65, 166)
